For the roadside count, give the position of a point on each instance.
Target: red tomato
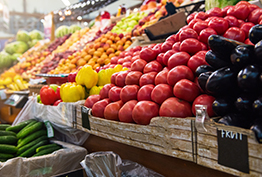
(114, 93)
(235, 34)
(190, 17)
(138, 65)
(196, 61)
(148, 78)
(220, 25)
(147, 54)
(204, 100)
(186, 90)
(201, 15)
(232, 21)
(129, 92)
(192, 23)
(178, 73)
(174, 107)
(246, 27)
(161, 92)
(144, 92)
(199, 26)
(161, 77)
(159, 58)
(190, 46)
(187, 33)
(243, 2)
(215, 12)
(133, 77)
(205, 33)
(201, 53)
(125, 113)
(240, 22)
(179, 58)
(167, 55)
(254, 16)
(210, 18)
(144, 111)
(247, 41)
(91, 100)
(104, 91)
(203, 46)
(152, 66)
(176, 46)
(224, 10)
(241, 11)
(112, 110)
(99, 107)
(252, 7)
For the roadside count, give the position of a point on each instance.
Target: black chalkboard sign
(233, 150)
(85, 117)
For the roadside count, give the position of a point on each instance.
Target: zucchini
(6, 148)
(4, 126)
(47, 147)
(29, 130)
(31, 151)
(4, 133)
(8, 139)
(47, 151)
(32, 143)
(19, 126)
(6, 156)
(31, 137)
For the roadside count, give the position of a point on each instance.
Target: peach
(81, 62)
(97, 53)
(111, 55)
(114, 46)
(110, 50)
(106, 46)
(100, 50)
(100, 61)
(87, 57)
(109, 42)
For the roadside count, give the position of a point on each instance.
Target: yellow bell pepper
(72, 92)
(87, 76)
(95, 90)
(104, 76)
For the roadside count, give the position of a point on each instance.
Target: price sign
(85, 117)
(50, 130)
(233, 150)
(2, 95)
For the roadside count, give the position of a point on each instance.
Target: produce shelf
(169, 136)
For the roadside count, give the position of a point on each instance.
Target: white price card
(2, 95)
(50, 131)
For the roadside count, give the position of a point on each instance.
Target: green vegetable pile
(26, 139)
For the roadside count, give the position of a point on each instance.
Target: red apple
(99, 107)
(133, 78)
(125, 113)
(112, 109)
(114, 93)
(144, 111)
(148, 78)
(161, 92)
(129, 92)
(152, 66)
(178, 73)
(138, 65)
(104, 91)
(91, 100)
(144, 93)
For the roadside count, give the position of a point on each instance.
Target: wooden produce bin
(165, 135)
(207, 149)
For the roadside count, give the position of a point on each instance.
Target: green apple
(53, 86)
(132, 23)
(38, 98)
(129, 29)
(120, 23)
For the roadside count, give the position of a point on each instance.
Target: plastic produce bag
(109, 164)
(60, 161)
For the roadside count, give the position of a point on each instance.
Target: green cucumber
(4, 126)
(32, 143)
(19, 141)
(3, 160)
(6, 148)
(47, 151)
(31, 137)
(29, 130)
(46, 147)
(31, 151)
(4, 133)
(16, 128)
(8, 139)
(6, 156)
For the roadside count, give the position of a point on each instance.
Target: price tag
(233, 150)
(50, 130)
(85, 117)
(2, 94)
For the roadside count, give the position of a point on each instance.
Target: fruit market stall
(193, 98)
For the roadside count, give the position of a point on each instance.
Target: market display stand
(163, 164)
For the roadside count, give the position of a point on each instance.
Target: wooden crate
(165, 135)
(35, 89)
(207, 149)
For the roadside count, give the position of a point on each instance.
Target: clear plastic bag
(60, 161)
(109, 164)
